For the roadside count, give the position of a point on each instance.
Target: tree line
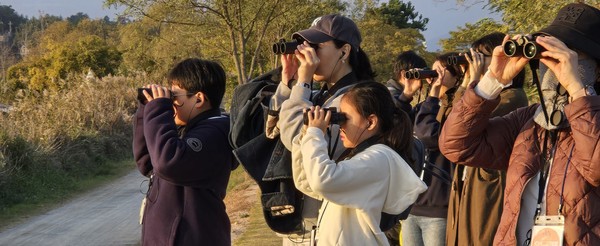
(43, 53)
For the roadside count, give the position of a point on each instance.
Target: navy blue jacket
(190, 168)
(433, 202)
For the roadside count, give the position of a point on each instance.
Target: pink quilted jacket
(510, 143)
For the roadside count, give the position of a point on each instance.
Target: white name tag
(548, 231)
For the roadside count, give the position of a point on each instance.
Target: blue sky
(444, 15)
(64, 8)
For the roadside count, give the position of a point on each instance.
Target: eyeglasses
(174, 98)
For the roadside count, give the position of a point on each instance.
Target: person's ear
(345, 50)
(372, 121)
(199, 99)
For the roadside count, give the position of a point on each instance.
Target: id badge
(548, 231)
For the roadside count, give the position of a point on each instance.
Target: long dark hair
(359, 61)
(396, 127)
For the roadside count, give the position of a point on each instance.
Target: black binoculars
(420, 74)
(283, 47)
(459, 59)
(142, 98)
(523, 46)
(336, 118)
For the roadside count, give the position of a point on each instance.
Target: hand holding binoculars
(283, 47)
(336, 117)
(525, 46)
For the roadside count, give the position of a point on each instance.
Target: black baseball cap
(330, 27)
(578, 26)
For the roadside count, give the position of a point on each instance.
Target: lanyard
(546, 159)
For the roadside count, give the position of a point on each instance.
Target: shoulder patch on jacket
(195, 144)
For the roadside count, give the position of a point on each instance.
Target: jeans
(423, 231)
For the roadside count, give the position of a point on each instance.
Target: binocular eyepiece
(420, 74)
(523, 46)
(459, 59)
(283, 47)
(337, 118)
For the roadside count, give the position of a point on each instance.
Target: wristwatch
(589, 90)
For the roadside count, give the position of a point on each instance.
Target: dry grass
(54, 138)
(257, 232)
(248, 226)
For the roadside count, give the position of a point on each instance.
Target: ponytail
(400, 136)
(359, 61)
(361, 65)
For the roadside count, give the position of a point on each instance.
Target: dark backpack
(266, 160)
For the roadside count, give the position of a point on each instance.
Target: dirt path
(109, 214)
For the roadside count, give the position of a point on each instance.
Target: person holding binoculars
(476, 195)
(329, 53)
(374, 177)
(403, 88)
(181, 143)
(426, 223)
(551, 150)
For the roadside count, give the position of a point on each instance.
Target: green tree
(239, 30)
(399, 14)
(382, 42)
(9, 19)
(461, 39)
(76, 18)
(65, 50)
(525, 16)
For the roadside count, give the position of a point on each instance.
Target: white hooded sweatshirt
(354, 191)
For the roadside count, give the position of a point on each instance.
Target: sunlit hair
(197, 75)
(396, 128)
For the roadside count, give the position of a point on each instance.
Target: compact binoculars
(336, 117)
(283, 47)
(459, 59)
(523, 46)
(420, 74)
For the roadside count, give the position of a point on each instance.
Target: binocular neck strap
(534, 64)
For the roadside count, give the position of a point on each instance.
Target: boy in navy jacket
(180, 142)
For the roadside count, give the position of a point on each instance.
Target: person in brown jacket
(551, 151)
(476, 194)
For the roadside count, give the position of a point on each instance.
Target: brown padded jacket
(510, 143)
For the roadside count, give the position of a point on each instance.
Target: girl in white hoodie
(374, 177)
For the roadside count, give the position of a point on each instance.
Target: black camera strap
(534, 64)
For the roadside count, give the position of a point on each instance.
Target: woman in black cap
(329, 53)
(551, 150)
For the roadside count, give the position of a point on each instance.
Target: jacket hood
(405, 186)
